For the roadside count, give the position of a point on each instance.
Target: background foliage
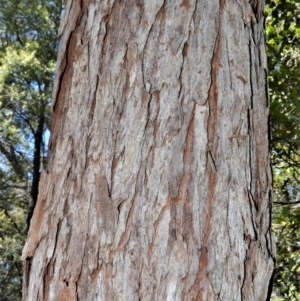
(283, 49)
(28, 45)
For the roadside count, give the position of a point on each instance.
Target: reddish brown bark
(159, 184)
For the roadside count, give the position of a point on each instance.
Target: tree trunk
(36, 166)
(158, 185)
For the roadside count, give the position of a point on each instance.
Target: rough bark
(158, 184)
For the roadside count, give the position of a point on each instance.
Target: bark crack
(245, 272)
(66, 55)
(58, 226)
(213, 67)
(145, 45)
(104, 43)
(76, 291)
(247, 12)
(26, 276)
(106, 20)
(92, 109)
(181, 68)
(62, 72)
(229, 65)
(250, 75)
(46, 281)
(185, 178)
(211, 162)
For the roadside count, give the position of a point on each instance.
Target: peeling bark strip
(159, 182)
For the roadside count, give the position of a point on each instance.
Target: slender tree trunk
(158, 184)
(36, 166)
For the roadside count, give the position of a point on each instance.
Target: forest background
(28, 48)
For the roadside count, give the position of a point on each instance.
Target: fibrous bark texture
(158, 185)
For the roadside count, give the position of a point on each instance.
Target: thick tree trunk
(158, 184)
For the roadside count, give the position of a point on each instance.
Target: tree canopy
(28, 46)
